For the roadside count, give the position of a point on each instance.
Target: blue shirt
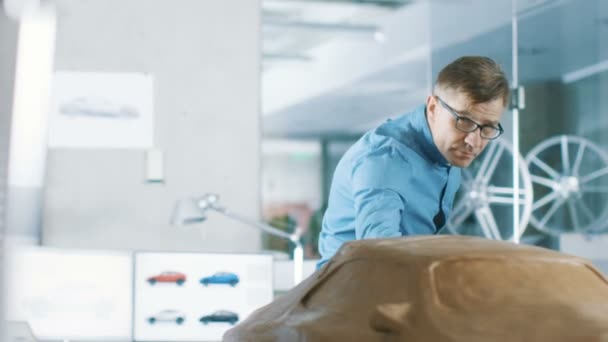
(392, 182)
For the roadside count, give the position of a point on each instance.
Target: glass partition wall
(545, 177)
(563, 66)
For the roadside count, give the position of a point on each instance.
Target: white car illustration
(167, 316)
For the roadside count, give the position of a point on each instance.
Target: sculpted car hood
(439, 288)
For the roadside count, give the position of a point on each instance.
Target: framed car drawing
(71, 294)
(197, 296)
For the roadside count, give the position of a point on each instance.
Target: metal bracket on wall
(518, 98)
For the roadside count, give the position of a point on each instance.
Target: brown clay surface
(439, 288)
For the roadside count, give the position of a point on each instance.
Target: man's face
(460, 148)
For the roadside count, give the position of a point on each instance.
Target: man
(400, 178)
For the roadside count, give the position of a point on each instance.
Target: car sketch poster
(101, 110)
(197, 296)
(71, 294)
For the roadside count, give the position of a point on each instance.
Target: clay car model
(168, 277)
(167, 316)
(221, 278)
(220, 316)
(439, 288)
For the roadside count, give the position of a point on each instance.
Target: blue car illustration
(221, 278)
(220, 316)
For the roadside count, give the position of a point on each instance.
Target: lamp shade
(187, 211)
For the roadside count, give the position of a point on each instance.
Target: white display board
(593, 247)
(71, 294)
(197, 296)
(17, 332)
(102, 110)
(586, 246)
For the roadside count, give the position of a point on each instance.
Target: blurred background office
(111, 111)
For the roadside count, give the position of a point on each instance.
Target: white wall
(291, 172)
(8, 51)
(205, 58)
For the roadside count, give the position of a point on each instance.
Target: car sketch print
(168, 277)
(221, 278)
(220, 316)
(98, 107)
(168, 316)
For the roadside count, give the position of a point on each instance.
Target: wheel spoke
(595, 189)
(486, 160)
(594, 175)
(504, 195)
(501, 190)
(551, 211)
(586, 211)
(459, 205)
(573, 215)
(458, 217)
(500, 200)
(546, 199)
(524, 195)
(488, 223)
(548, 169)
(550, 183)
(565, 154)
(579, 158)
(496, 157)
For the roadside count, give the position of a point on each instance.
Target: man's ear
(431, 108)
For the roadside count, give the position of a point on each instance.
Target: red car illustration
(168, 277)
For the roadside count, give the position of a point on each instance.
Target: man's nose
(473, 138)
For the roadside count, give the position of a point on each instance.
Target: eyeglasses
(467, 125)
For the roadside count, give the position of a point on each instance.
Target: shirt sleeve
(379, 183)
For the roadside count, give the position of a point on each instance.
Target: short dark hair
(480, 78)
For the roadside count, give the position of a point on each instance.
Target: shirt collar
(428, 145)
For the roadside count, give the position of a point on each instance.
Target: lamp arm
(295, 238)
(298, 252)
